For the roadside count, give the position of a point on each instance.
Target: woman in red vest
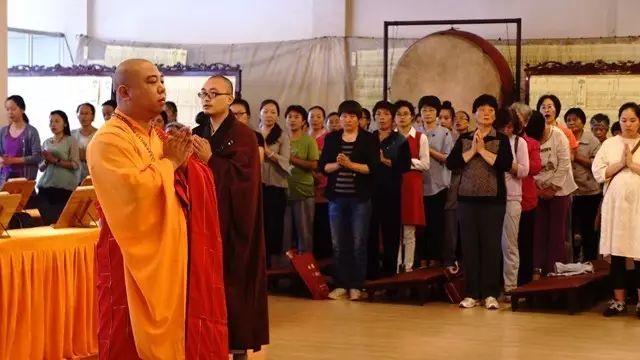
(411, 193)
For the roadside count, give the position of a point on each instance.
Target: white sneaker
(491, 303)
(469, 303)
(355, 294)
(338, 294)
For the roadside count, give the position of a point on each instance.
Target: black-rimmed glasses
(210, 94)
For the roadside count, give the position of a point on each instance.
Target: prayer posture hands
(46, 155)
(479, 143)
(178, 146)
(627, 157)
(202, 148)
(343, 160)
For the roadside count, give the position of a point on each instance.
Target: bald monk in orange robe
(159, 256)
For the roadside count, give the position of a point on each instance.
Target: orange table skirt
(47, 304)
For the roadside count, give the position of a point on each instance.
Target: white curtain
(305, 72)
(325, 71)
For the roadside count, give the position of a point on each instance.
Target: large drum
(454, 65)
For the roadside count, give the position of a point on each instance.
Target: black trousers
(481, 233)
(51, 202)
(274, 203)
(585, 210)
(322, 246)
(525, 246)
(431, 244)
(385, 224)
(619, 273)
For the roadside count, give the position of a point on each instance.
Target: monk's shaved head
(139, 87)
(228, 85)
(128, 70)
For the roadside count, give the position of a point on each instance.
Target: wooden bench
(419, 279)
(575, 287)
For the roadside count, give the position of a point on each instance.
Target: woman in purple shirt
(19, 143)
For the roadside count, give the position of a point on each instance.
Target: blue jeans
(349, 220)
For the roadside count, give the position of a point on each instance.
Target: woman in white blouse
(617, 165)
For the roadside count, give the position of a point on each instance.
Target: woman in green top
(60, 164)
(301, 201)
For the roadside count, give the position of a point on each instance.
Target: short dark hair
(111, 103)
(535, 126)
(171, 105)
(446, 105)
(324, 113)
(616, 127)
(630, 105)
(430, 101)
(165, 117)
(245, 104)
(270, 101)
(333, 113)
(350, 107)
(465, 114)
(90, 106)
(297, 108)
(578, 113)
(404, 103)
(600, 118)
(366, 114)
(382, 104)
(554, 99)
(485, 99)
(506, 116)
(65, 119)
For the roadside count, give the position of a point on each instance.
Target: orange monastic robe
(135, 188)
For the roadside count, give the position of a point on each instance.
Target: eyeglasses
(210, 94)
(239, 113)
(403, 114)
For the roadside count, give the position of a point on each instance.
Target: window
(18, 49)
(31, 48)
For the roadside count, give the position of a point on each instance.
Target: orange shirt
(573, 143)
(135, 188)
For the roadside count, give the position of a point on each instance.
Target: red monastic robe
(204, 329)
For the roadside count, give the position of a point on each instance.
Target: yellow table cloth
(47, 304)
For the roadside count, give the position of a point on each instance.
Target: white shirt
(423, 163)
(556, 169)
(521, 156)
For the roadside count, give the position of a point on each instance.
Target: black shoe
(615, 308)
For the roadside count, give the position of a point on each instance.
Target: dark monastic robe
(236, 167)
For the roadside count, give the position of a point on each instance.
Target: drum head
(454, 65)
